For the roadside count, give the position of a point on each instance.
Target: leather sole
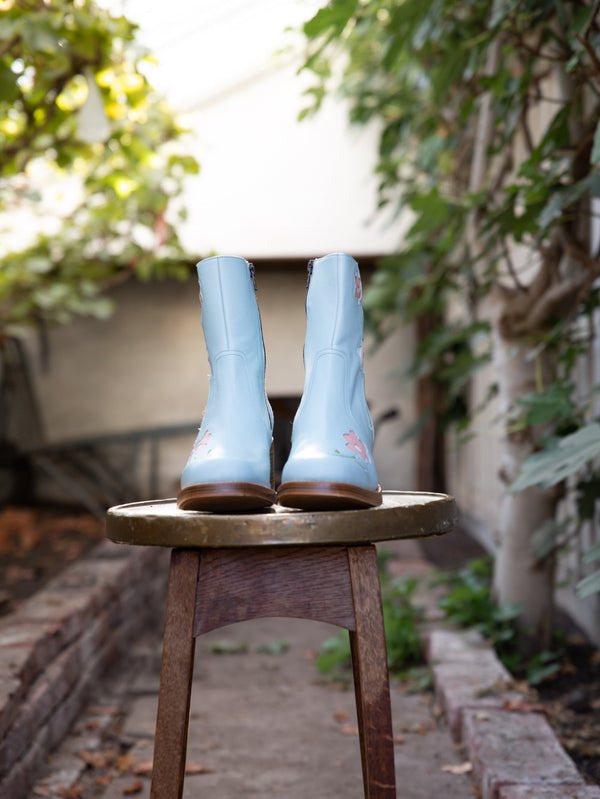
(309, 495)
(224, 497)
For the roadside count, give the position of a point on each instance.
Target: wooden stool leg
(371, 679)
(177, 665)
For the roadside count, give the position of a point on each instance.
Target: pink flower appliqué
(203, 442)
(357, 288)
(354, 443)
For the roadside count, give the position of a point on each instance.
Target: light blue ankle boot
(331, 463)
(230, 465)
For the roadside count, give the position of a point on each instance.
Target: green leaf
(227, 647)
(39, 265)
(589, 585)
(8, 85)
(548, 406)
(335, 653)
(273, 647)
(565, 197)
(592, 554)
(563, 458)
(38, 34)
(332, 18)
(542, 666)
(547, 538)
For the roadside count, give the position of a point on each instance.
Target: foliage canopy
(490, 144)
(111, 188)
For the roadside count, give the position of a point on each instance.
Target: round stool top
(401, 515)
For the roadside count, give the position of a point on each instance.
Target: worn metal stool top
(401, 515)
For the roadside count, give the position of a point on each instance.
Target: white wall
(270, 186)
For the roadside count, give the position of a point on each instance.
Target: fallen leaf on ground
(497, 687)
(143, 769)
(15, 573)
(587, 749)
(309, 654)
(273, 648)
(74, 792)
(458, 768)
(568, 668)
(425, 726)
(125, 762)
(135, 787)
(41, 790)
(341, 716)
(98, 759)
(102, 710)
(523, 706)
(196, 768)
(349, 729)
(399, 739)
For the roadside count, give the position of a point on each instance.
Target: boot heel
(225, 497)
(309, 495)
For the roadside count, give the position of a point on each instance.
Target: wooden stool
(317, 565)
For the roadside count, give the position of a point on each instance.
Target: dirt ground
(36, 544)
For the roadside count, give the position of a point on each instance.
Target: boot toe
(227, 471)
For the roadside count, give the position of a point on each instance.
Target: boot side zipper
(310, 271)
(253, 275)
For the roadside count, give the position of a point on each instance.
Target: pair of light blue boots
(330, 465)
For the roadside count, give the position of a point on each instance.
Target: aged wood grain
(302, 582)
(177, 665)
(371, 678)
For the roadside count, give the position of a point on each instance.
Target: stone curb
(514, 751)
(57, 644)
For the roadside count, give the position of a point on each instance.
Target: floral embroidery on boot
(200, 444)
(357, 288)
(354, 443)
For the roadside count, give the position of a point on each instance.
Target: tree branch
(546, 298)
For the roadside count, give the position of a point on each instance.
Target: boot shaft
(333, 306)
(230, 317)
(333, 349)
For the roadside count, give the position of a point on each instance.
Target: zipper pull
(310, 271)
(252, 275)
